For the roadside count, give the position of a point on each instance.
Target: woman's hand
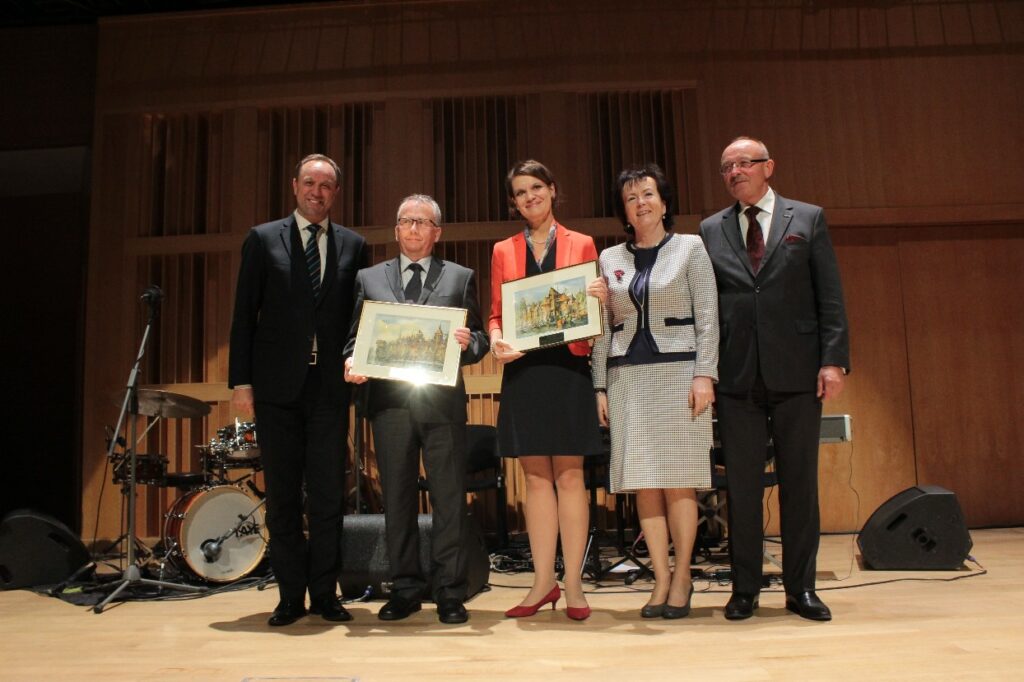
(702, 395)
(503, 352)
(598, 288)
(602, 407)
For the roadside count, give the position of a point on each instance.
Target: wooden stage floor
(971, 628)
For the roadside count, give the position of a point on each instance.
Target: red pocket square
(794, 239)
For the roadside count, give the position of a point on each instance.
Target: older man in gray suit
(407, 419)
(784, 348)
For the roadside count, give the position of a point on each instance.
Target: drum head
(211, 514)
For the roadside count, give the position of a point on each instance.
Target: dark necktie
(755, 240)
(415, 286)
(313, 259)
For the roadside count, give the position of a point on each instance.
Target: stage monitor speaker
(364, 556)
(36, 549)
(919, 529)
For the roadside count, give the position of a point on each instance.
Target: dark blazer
(276, 317)
(790, 318)
(446, 284)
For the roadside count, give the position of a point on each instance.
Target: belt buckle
(312, 358)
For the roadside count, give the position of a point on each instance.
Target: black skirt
(548, 406)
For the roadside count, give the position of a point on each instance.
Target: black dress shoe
(330, 608)
(286, 613)
(675, 612)
(741, 606)
(451, 611)
(807, 605)
(397, 609)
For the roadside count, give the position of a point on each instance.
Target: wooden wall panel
(965, 334)
(886, 115)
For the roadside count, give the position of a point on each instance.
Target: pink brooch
(619, 274)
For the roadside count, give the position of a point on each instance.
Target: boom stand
(132, 575)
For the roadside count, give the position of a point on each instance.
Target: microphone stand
(132, 575)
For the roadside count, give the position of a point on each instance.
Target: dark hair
(665, 190)
(318, 157)
(534, 169)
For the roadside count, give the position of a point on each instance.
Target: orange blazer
(508, 262)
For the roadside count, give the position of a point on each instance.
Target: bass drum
(198, 519)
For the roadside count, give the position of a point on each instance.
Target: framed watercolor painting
(551, 308)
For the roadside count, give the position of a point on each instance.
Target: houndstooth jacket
(683, 304)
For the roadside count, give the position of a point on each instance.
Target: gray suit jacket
(790, 319)
(446, 284)
(682, 300)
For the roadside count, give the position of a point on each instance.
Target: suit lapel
(519, 255)
(296, 255)
(334, 247)
(394, 275)
(781, 218)
(432, 279)
(563, 248)
(733, 235)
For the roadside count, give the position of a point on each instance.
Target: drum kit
(214, 531)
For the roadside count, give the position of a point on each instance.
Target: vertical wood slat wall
(888, 115)
(474, 140)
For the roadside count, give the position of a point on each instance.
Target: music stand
(132, 575)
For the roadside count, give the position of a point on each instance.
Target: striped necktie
(313, 259)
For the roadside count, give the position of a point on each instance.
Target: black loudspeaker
(919, 529)
(36, 549)
(364, 556)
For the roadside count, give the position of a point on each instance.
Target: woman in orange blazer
(547, 418)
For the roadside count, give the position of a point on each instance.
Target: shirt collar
(766, 204)
(405, 262)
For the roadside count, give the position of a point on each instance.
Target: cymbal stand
(132, 575)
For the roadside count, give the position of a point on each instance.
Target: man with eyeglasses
(784, 349)
(293, 311)
(407, 419)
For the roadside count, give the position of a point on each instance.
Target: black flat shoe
(741, 606)
(330, 608)
(807, 605)
(286, 613)
(674, 612)
(398, 609)
(451, 611)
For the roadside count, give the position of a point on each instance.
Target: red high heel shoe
(524, 611)
(578, 612)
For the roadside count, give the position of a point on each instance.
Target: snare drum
(196, 522)
(149, 470)
(235, 447)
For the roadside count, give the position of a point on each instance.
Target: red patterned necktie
(755, 239)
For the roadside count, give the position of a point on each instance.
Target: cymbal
(154, 403)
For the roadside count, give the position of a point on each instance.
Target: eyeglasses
(407, 223)
(742, 165)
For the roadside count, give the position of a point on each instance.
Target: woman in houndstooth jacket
(660, 343)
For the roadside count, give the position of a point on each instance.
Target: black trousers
(304, 444)
(745, 422)
(398, 439)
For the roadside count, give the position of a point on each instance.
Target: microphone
(211, 549)
(152, 294)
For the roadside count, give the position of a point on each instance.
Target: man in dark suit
(784, 348)
(407, 419)
(293, 311)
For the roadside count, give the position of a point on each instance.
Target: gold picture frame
(408, 342)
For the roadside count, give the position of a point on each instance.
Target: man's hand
(830, 382)
(242, 402)
(352, 378)
(462, 336)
